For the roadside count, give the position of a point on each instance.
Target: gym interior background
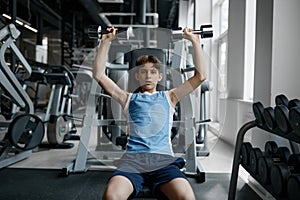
(252, 57)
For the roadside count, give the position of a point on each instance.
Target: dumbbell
(266, 162)
(271, 148)
(258, 110)
(293, 187)
(280, 174)
(270, 120)
(282, 115)
(294, 119)
(244, 153)
(269, 112)
(281, 99)
(205, 32)
(95, 32)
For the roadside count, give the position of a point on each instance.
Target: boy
(149, 157)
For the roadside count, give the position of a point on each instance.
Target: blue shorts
(153, 178)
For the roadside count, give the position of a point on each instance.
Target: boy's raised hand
(111, 35)
(188, 34)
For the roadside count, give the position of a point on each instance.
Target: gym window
(222, 63)
(221, 16)
(222, 21)
(250, 18)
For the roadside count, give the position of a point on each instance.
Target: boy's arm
(199, 73)
(99, 70)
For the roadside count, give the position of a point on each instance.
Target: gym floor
(217, 167)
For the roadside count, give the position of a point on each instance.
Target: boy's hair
(148, 59)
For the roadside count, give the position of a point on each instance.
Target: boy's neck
(147, 91)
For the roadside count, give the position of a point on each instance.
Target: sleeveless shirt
(150, 118)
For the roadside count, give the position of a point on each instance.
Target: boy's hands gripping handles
(97, 32)
(205, 32)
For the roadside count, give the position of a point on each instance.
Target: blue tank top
(150, 118)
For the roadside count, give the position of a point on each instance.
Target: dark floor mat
(42, 184)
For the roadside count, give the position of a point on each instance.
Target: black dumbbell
(271, 148)
(245, 154)
(258, 110)
(205, 32)
(267, 161)
(269, 116)
(280, 174)
(294, 103)
(282, 115)
(281, 99)
(95, 32)
(293, 187)
(294, 119)
(269, 113)
(255, 153)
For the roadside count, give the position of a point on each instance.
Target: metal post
(141, 12)
(13, 19)
(236, 159)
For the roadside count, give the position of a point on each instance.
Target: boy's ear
(136, 75)
(160, 76)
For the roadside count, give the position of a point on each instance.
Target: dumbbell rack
(292, 137)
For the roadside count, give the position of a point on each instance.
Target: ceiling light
(22, 22)
(110, 1)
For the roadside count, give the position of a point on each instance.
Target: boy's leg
(172, 182)
(178, 188)
(118, 187)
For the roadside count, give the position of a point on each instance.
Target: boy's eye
(143, 71)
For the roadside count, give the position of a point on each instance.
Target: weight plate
(57, 131)
(283, 153)
(26, 131)
(271, 148)
(258, 110)
(282, 118)
(281, 99)
(294, 103)
(279, 177)
(264, 166)
(245, 151)
(293, 187)
(270, 118)
(255, 153)
(294, 163)
(294, 117)
(3, 129)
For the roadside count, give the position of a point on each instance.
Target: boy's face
(148, 77)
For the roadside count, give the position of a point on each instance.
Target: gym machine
(58, 116)
(25, 131)
(185, 138)
(60, 124)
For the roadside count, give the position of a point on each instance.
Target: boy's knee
(111, 196)
(114, 194)
(183, 196)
